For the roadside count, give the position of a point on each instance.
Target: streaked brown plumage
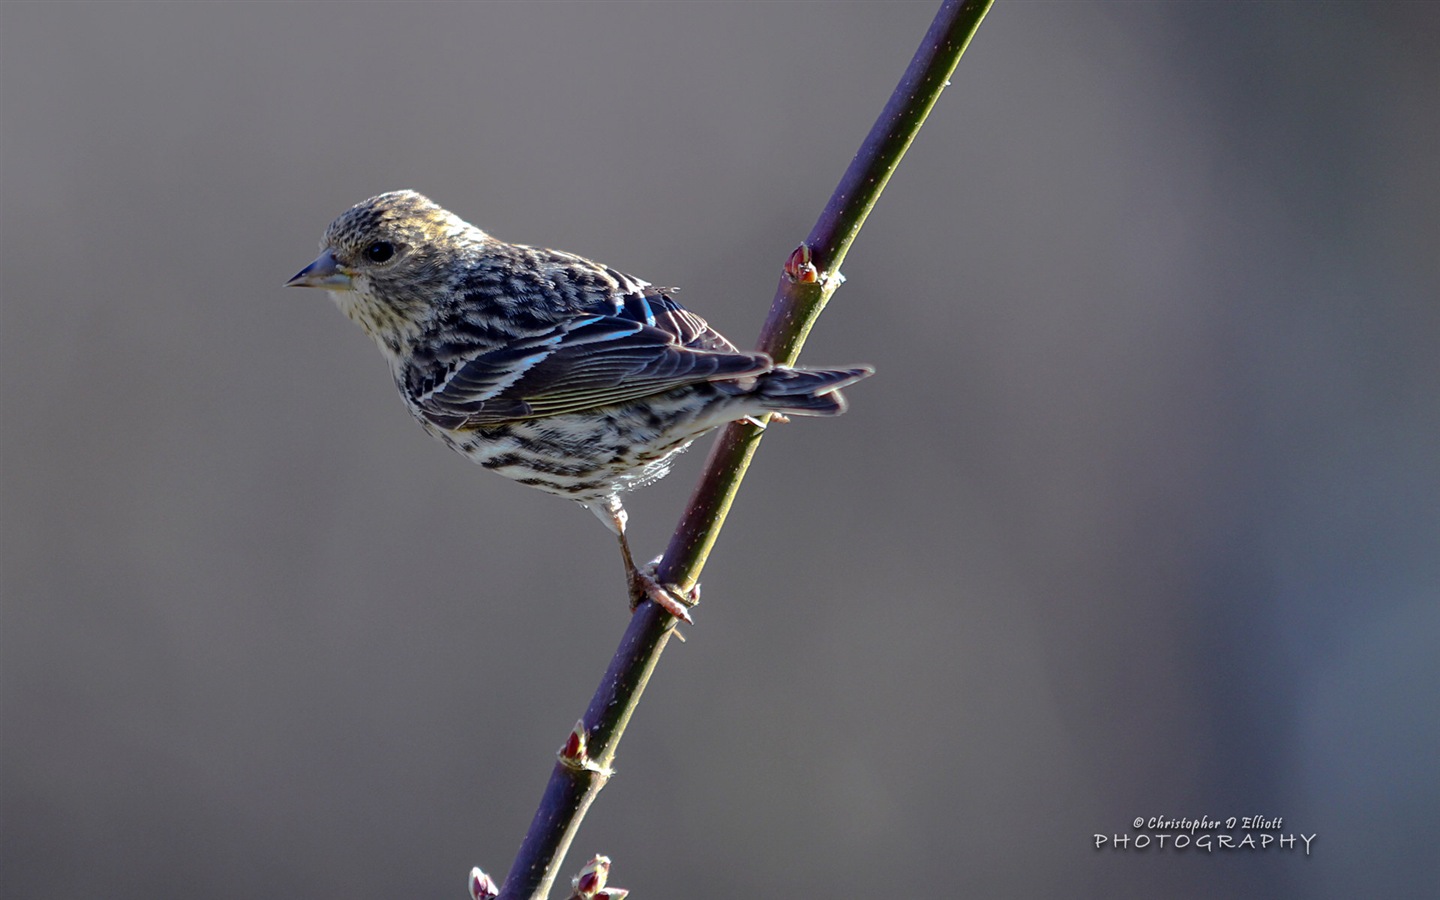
(548, 368)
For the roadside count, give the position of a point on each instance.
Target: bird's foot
(644, 585)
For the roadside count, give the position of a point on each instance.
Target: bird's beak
(324, 272)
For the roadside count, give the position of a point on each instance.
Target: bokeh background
(1140, 517)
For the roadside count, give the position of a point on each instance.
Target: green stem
(798, 303)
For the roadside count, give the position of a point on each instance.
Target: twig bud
(591, 880)
(573, 754)
(799, 267)
(482, 886)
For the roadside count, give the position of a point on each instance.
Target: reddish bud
(482, 886)
(573, 754)
(800, 268)
(591, 879)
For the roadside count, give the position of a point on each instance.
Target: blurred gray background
(1140, 516)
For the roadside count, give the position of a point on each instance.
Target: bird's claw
(644, 585)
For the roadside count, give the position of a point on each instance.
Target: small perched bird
(548, 368)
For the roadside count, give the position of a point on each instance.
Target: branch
(811, 277)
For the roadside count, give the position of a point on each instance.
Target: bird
(551, 369)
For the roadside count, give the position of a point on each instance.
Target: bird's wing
(652, 306)
(579, 364)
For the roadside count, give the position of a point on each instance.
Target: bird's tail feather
(808, 392)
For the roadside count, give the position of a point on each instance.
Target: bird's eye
(380, 251)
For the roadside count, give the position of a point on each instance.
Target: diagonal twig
(811, 277)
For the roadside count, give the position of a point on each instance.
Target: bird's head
(386, 262)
